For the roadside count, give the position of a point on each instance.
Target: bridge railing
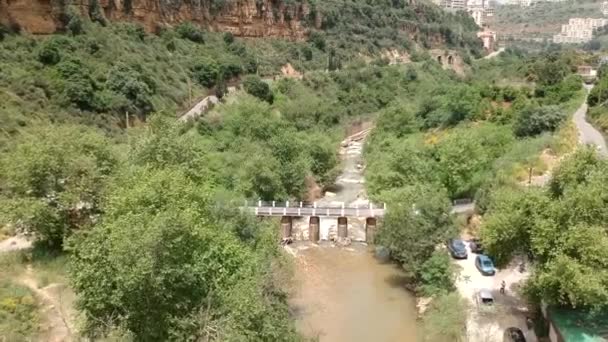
(304, 204)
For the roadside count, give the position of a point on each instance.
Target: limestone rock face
(243, 18)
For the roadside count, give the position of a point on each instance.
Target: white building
(605, 8)
(457, 5)
(478, 9)
(578, 30)
(521, 3)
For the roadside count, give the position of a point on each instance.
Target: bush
(49, 54)
(206, 72)
(445, 319)
(436, 275)
(18, 316)
(75, 25)
(318, 40)
(189, 31)
(131, 82)
(228, 38)
(258, 88)
(533, 121)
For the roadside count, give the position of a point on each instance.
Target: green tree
(418, 221)
(255, 86)
(188, 30)
(131, 82)
(49, 54)
(228, 38)
(562, 229)
(206, 72)
(445, 319)
(532, 121)
(53, 179)
(165, 264)
(436, 275)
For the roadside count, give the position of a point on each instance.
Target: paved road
(587, 134)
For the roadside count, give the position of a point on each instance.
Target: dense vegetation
(598, 111)
(562, 228)
(148, 216)
(376, 26)
(162, 197)
(18, 316)
(461, 139)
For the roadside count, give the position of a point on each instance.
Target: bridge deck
(312, 209)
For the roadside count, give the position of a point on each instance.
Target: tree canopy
(562, 228)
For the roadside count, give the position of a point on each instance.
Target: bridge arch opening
(450, 60)
(440, 59)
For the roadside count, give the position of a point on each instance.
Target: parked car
(513, 335)
(485, 265)
(484, 297)
(457, 249)
(476, 246)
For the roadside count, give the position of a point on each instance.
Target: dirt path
(56, 310)
(15, 243)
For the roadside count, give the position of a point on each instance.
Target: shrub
(206, 72)
(445, 320)
(307, 53)
(436, 275)
(189, 31)
(18, 317)
(133, 84)
(533, 121)
(49, 54)
(75, 24)
(255, 86)
(228, 38)
(318, 40)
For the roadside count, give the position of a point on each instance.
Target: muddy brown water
(345, 294)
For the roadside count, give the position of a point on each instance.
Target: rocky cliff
(244, 18)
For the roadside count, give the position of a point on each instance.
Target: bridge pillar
(286, 226)
(342, 227)
(370, 229)
(314, 229)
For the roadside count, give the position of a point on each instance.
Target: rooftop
(580, 326)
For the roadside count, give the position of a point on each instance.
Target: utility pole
(127, 120)
(189, 92)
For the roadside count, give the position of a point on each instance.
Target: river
(344, 293)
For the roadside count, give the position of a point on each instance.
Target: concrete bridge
(340, 211)
(288, 210)
(299, 209)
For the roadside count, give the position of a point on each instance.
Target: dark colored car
(485, 265)
(457, 249)
(513, 335)
(476, 246)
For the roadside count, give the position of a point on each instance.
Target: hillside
(97, 71)
(542, 20)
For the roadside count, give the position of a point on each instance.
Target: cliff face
(244, 18)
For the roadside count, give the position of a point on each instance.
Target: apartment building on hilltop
(579, 30)
(479, 10)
